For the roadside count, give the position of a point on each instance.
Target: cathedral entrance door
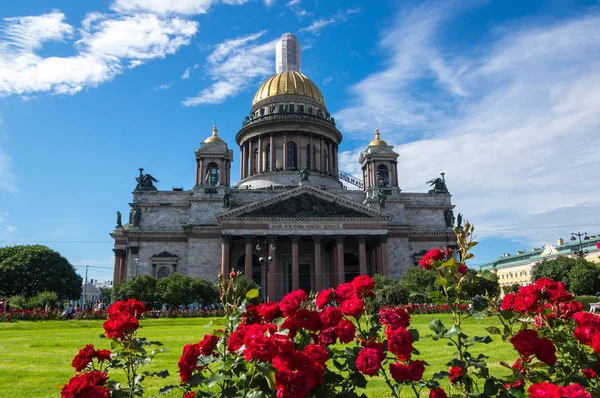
(304, 277)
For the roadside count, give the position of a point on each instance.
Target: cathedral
(294, 220)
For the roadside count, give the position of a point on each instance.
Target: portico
(329, 243)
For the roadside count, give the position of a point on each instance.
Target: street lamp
(264, 262)
(581, 253)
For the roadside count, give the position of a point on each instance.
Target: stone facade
(292, 220)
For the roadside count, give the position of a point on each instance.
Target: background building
(313, 225)
(518, 268)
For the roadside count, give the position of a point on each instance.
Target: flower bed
(332, 344)
(41, 315)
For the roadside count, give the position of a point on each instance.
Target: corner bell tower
(379, 167)
(213, 161)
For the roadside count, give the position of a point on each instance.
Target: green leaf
(493, 330)
(268, 373)
(252, 294)
(454, 331)
(166, 389)
(441, 281)
(437, 326)
(214, 379)
(489, 275)
(256, 394)
(414, 334)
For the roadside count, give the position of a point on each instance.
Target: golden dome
(214, 138)
(289, 82)
(378, 141)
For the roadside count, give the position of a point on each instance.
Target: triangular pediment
(305, 202)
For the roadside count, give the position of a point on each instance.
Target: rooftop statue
(226, 197)
(119, 222)
(304, 173)
(439, 185)
(381, 197)
(145, 182)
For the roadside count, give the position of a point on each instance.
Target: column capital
(119, 252)
(248, 238)
(383, 238)
(318, 238)
(226, 239)
(339, 239)
(362, 239)
(272, 239)
(295, 238)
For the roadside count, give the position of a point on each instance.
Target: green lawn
(35, 357)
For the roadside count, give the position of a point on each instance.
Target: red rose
(131, 307)
(291, 326)
(188, 361)
(400, 343)
(568, 309)
(307, 319)
(268, 311)
(331, 316)
(317, 353)
(324, 297)
(364, 285)
(353, 307)
(258, 346)
(291, 302)
(190, 394)
(456, 374)
(103, 355)
(416, 370)
(368, 361)
(525, 342)
(544, 390)
(208, 344)
(83, 358)
(236, 339)
(546, 352)
(438, 393)
(329, 336)
(396, 317)
(589, 373)
(430, 257)
(574, 391)
(527, 300)
(119, 325)
(399, 371)
(346, 331)
(553, 291)
(507, 302)
(598, 245)
(87, 385)
(462, 269)
(344, 292)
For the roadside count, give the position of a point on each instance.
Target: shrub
(586, 301)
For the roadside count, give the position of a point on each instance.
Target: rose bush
(332, 343)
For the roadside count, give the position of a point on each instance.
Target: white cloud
(514, 125)
(165, 86)
(184, 7)
(108, 44)
(269, 3)
(186, 74)
(317, 25)
(233, 66)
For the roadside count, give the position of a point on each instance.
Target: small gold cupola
(214, 138)
(378, 141)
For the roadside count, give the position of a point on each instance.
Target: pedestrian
(47, 308)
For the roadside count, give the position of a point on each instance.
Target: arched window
(262, 111)
(163, 272)
(255, 161)
(268, 155)
(212, 174)
(308, 156)
(292, 156)
(383, 176)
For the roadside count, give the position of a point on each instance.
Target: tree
(481, 286)
(142, 288)
(105, 294)
(584, 279)
(557, 269)
(177, 289)
(419, 282)
(30, 269)
(508, 289)
(389, 292)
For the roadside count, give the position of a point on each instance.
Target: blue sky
(502, 96)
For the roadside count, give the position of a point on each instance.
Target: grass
(35, 357)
